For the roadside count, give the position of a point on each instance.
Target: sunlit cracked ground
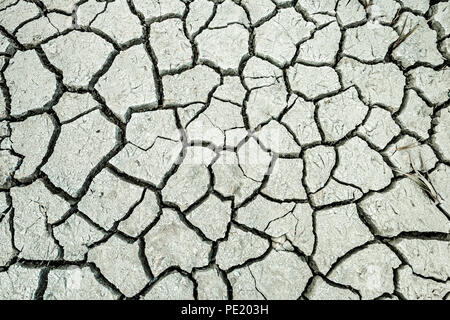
(254, 149)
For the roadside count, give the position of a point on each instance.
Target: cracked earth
(252, 149)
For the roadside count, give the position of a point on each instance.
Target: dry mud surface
(253, 149)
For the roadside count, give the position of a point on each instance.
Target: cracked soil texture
(224, 149)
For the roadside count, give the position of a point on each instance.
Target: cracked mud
(226, 149)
